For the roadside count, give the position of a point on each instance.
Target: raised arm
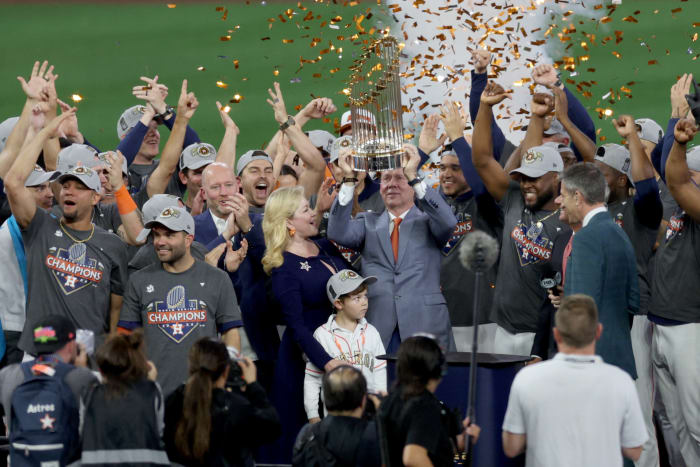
(315, 165)
(428, 140)
(227, 149)
(481, 59)
(128, 212)
(186, 107)
(20, 197)
(684, 191)
(585, 146)
(342, 228)
(51, 146)
(492, 174)
(317, 108)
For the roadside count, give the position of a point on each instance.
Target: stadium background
(100, 50)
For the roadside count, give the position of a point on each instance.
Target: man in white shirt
(575, 409)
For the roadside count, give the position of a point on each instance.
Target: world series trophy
(375, 107)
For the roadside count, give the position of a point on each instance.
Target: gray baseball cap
(250, 156)
(6, 128)
(692, 155)
(649, 130)
(197, 155)
(39, 176)
(153, 207)
(128, 119)
(103, 157)
(344, 142)
(75, 155)
(615, 156)
(174, 218)
(556, 128)
(322, 139)
(540, 160)
(345, 281)
(86, 175)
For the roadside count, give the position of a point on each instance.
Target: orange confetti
(652, 62)
(235, 64)
(287, 41)
(225, 38)
(221, 84)
(172, 5)
(617, 54)
(676, 10)
(630, 19)
(605, 19)
(76, 98)
(200, 68)
(316, 75)
(236, 98)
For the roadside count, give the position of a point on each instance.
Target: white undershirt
(587, 218)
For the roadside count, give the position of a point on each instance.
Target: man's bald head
(219, 184)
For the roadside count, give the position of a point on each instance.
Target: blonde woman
(299, 266)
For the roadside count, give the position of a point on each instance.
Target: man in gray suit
(401, 247)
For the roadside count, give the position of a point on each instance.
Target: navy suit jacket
(603, 265)
(205, 230)
(407, 295)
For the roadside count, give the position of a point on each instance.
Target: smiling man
(401, 247)
(255, 174)
(75, 268)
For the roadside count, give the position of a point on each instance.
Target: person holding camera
(419, 429)
(347, 436)
(208, 424)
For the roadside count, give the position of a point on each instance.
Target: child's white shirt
(359, 348)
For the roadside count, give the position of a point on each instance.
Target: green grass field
(100, 50)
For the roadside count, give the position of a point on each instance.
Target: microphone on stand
(478, 253)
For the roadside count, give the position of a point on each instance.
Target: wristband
(415, 181)
(125, 203)
(290, 122)
(350, 180)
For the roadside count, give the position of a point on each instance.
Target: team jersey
(360, 348)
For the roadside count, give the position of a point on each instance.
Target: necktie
(395, 238)
(567, 253)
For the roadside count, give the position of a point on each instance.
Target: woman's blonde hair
(280, 206)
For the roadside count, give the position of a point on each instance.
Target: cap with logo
(152, 209)
(321, 139)
(40, 176)
(52, 333)
(540, 160)
(344, 282)
(649, 130)
(250, 156)
(692, 155)
(75, 155)
(129, 119)
(84, 175)
(6, 128)
(615, 156)
(197, 155)
(103, 158)
(174, 218)
(344, 142)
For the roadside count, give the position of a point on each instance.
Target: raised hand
(326, 195)
(226, 119)
(234, 258)
(685, 131)
(410, 159)
(276, 101)
(212, 258)
(541, 104)
(240, 207)
(493, 94)
(198, 203)
(694, 102)
(452, 119)
(69, 128)
(319, 108)
(428, 140)
(51, 128)
(546, 75)
(152, 92)
(114, 170)
(345, 163)
(679, 104)
(187, 104)
(481, 59)
(36, 87)
(625, 126)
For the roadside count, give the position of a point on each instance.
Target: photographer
(420, 430)
(344, 434)
(208, 424)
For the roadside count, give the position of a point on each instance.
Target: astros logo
(532, 156)
(177, 317)
(73, 269)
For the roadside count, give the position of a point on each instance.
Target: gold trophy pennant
(375, 107)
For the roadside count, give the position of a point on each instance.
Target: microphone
(550, 278)
(479, 251)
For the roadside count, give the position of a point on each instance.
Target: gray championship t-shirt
(456, 281)
(74, 279)
(526, 249)
(175, 311)
(675, 293)
(138, 175)
(643, 239)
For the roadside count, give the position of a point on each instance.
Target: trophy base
(377, 163)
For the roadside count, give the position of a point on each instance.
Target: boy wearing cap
(75, 268)
(179, 300)
(347, 336)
